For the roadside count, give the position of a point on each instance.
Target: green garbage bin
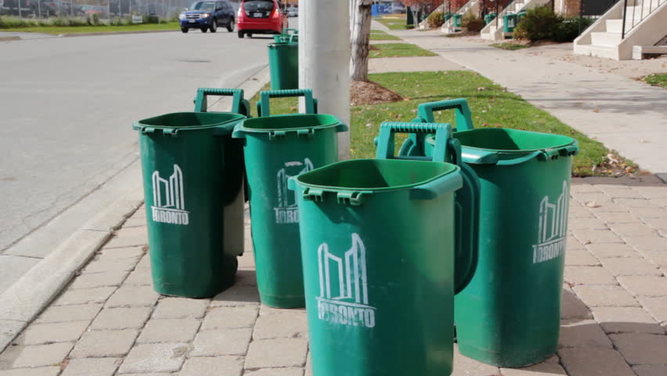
(377, 240)
(456, 20)
(187, 184)
(509, 22)
(277, 148)
(488, 18)
(509, 314)
(284, 63)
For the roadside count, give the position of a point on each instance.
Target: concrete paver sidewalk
(110, 322)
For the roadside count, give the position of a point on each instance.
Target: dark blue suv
(208, 15)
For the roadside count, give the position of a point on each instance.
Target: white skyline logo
(344, 286)
(169, 199)
(287, 211)
(552, 229)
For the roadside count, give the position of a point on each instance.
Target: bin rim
(452, 171)
(227, 125)
(328, 121)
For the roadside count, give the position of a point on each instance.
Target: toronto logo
(552, 230)
(168, 199)
(344, 286)
(287, 211)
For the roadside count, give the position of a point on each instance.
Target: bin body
(379, 295)
(509, 314)
(277, 148)
(456, 20)
(509, 22)
(489, 17)
(187, 185)
(284, 65)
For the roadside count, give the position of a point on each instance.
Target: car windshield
(203, 5)
(252, 5)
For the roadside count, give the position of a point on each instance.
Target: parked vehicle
(208, 15)
(261, 17)
(292, 12)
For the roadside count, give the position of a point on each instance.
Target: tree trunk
(360, 29)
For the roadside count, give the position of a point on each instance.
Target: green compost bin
(509, 22)
(488, 18)
(377, 241)
(509, 313)
(284, 62)
(187, 185)
(276, 149)
(456, 20)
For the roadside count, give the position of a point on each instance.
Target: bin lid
(510, 146)
(289, 123)
(356, 178)
(190, 121)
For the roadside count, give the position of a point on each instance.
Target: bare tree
(360, 29)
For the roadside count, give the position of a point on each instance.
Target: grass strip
(397, 50)
(656, 79)
(96, 29)
(393, 22)
(381, 35)
(509, 46)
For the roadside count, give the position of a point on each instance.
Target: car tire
(249, 35)
(241, 34)
(185, 30)
(214, 26)
(204, 29)
(230, 25)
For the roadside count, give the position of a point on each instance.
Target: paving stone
(89, 280)
(224, 365)
(616, 217)
(78, 312)
(155, 357)
(587, 198)
(583, 334)
(550, 367)
(621, 191)
(464, 366)
(586, 223)
(594, 361)
(572, 308)
(129, 295)
(236, 296)
(291, 324)
(647, 243)
(108, 264)
(642, 348)
(580, 258)
(178, 308)
(579, 186)
(42, 355)
(121, 318)
(37, 334)
(630, 266)
(230, 317)
(632, 229)
(91, 366)
(169, 330)
(221, 342)
(605, 295)
(634, 202)
(139, 277)
(144, 263)
(247, 261)
(655, 306)
(610, 250)
(578, 211)
(246, 278)
(275, 372)
(644, 285)
(85, 296)
(123, 253)
(263, 354)
(596, 236)
(657, 223)
(309, 365)
(650, 370)
(128, 237)
(626, 320)
(589, 275)
(41, 371)
(657, 257)
(104, 343)
(607, 207)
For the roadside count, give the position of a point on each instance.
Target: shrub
(568, 29)
(470, 22)
(435, 20)
(7, 22)
(538, 24)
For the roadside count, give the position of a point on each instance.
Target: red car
(260, 17)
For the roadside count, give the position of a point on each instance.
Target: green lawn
(393, 22)
(491, 106)
(509, 46)
(96, 29)
(381, 35)
(398, 50)
(657, 79)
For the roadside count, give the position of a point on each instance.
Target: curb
(35, 290)
(9, 39)
(114, 33)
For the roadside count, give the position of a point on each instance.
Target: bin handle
(263, 107)
(435, 188)
(239, 104)
(463, 119)
(385, 142)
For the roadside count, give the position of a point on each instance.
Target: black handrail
(641, 13)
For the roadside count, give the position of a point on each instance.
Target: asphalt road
(67, 105)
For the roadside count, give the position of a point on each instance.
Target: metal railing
(652, 6)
